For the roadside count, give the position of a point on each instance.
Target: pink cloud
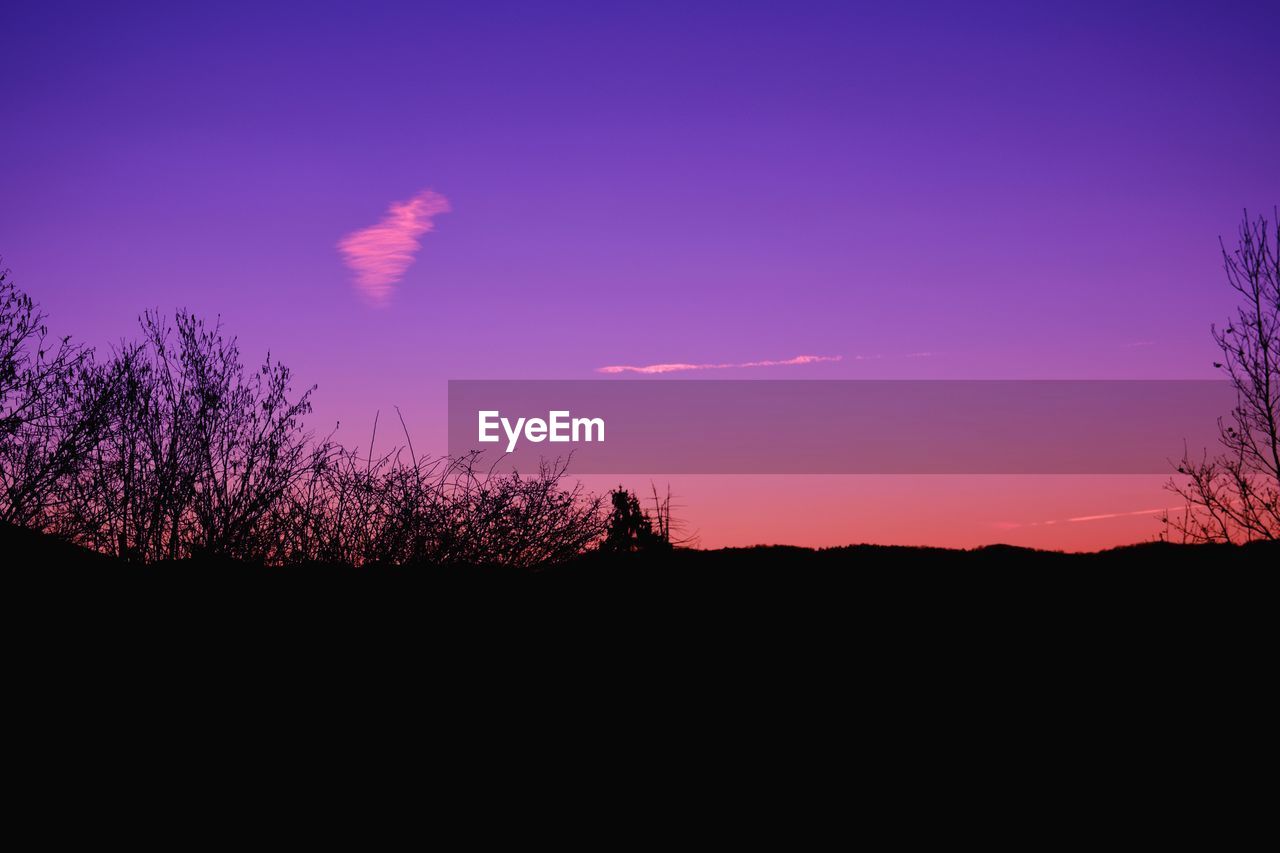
(677, 367)
(380, 254)
(1009, 525)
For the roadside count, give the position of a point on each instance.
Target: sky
(388, 196)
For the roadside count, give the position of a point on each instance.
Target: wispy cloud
(1009, 525)
(1116, 515)
(380, 254)
(680, 366)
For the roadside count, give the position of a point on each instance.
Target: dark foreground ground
(1158, 588)
(851, 574)
(996, 645)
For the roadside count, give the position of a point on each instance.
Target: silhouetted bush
(47, 421)
(169, 450)
(196, 454)
(348, 509)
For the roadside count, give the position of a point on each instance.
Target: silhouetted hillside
(29, 553)
(910, 617)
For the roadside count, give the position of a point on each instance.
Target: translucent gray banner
(838, 426)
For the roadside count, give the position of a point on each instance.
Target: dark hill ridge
(830, 616)
(1184, 587)
(28, 552)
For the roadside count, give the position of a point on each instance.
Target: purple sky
(1017, 190)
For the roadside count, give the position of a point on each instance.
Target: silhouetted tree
(169, 450)
(197, 454)
(666, 526)
(1235, 495)
(46, 423)
(630, 528)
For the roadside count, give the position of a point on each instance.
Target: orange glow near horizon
(1065, 513)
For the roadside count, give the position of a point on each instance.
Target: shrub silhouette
(197, 454)
(170, 450)
(47, 422)
(362, 510)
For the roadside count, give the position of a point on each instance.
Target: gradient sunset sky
(388, 196)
